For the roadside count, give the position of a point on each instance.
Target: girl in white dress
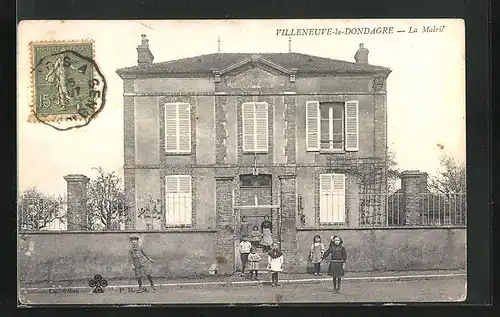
(275, 263)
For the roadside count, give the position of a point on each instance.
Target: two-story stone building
(225, 140)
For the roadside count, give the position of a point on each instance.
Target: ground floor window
(332, 198)
(178, 200)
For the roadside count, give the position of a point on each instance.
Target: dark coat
(138, 257)
(338, 256)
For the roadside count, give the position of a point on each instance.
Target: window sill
(178, 227)
(255, 152)
(332, 151)
(333, 224)
(329, 151)
(178, 153)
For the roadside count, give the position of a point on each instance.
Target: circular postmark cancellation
(69, 90)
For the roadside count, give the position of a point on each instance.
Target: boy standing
(245, 247)
(137, 258)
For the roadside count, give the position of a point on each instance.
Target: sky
(425, 91)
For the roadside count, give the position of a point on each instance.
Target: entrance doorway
(256, 200)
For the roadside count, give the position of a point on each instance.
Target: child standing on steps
(245, 247)
(338, 257)
(255, 236)
(137, 258)
(316, 253)
(275, 263)
(253, 264)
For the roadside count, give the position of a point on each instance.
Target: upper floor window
(255, 127)
(332, 126)
(177, 128)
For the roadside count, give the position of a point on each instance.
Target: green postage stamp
(68, 87)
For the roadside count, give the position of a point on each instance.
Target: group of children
(250, 259)
(263, 239)
(336, 252)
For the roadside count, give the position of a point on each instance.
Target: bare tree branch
(105, 199)
(37, 211)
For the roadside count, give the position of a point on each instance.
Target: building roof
(220, 61)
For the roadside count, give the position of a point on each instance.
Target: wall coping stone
(399, 228)
(126, 232)
(76, 178)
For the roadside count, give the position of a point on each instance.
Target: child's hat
(134, 237)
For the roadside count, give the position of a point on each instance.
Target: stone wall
(391, 249)
(46, 256)
(49, 256)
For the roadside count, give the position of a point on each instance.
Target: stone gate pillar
(224, 242)
(77, 201)
(288, 230)
(413, 183)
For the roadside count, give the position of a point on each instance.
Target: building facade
(225, 141)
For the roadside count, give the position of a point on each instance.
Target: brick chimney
(361, 55)
(144, 55)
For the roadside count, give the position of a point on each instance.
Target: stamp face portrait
(68, 88)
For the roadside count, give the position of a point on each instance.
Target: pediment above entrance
(254, 78)
(254, 72)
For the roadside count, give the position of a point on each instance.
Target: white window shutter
(178, 127)
(248, 111)
(171, 186)
(351, 126)
(178, 200)
(185, 199)
(184, 123)
(325, 190)
(261, 127)
(170, 127)
(338, 190)
(312, 125)
(185, 184)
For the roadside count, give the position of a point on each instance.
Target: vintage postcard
(241, 161)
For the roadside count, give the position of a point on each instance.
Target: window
(255, 127)
(332, 198)
(178, 200)
(256, 181)
(332, 126)
(255, 190)
(177, 128)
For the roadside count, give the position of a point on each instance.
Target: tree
(393, 171)
(106, 201)
(151, 212)
(37, 211)
(450, 177)
(449, 188)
